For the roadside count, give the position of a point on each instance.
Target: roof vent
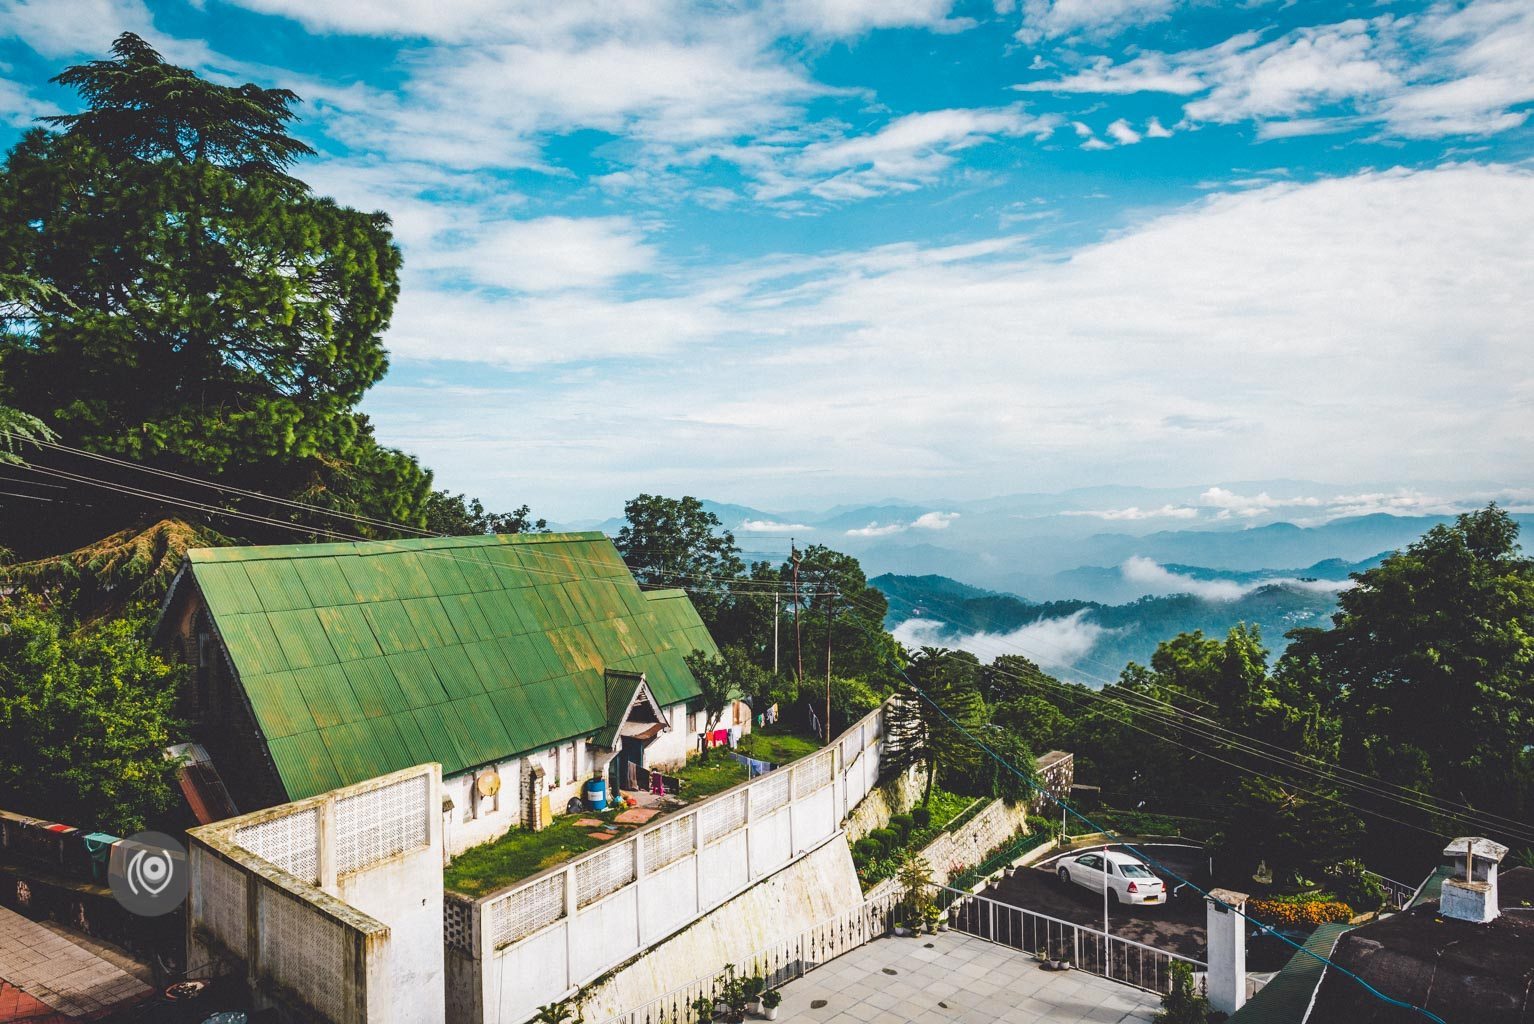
(1471, 895)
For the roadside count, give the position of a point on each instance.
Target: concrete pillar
(1227, 949)
(325, 852)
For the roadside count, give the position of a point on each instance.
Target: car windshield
(1136, 871)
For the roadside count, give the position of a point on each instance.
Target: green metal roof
(1286, 998)
(361, 659)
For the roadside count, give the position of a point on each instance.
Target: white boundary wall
(330, 907)
(547, 936)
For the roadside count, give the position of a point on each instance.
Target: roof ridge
(329, 549)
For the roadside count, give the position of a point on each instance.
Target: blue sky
(820, 251)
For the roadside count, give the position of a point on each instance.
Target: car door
(1088, 872)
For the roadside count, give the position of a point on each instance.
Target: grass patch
(520, 853)
(775, 746)
(705, 778)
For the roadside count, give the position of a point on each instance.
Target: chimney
(1471, 895)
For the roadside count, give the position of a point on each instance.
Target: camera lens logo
(148, 873)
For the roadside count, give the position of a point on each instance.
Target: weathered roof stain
(362, 659)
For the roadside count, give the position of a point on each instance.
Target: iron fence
(1088, 949)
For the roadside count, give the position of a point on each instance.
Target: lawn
(520, 853)
(777, 746)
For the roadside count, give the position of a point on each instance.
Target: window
(1136, 871)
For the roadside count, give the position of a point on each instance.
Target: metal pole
(830, 604)
(798, 637)
(774, 632)
(1105, 895)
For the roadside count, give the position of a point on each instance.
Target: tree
(457, 516)
(933, 719)
(1431, 656)
(670, 542)
(722, 680)
(195, 308)
(1183, 1004)
(839, 603)
(85, 717)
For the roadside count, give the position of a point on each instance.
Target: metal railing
(1089, 949)
(1398, 894)
(778, 964)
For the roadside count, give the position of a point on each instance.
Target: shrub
(1041, 826)
(921, 817)
(867, 849)
(1291, 913)
(1355, 887)
(887, 839)
(901, 825)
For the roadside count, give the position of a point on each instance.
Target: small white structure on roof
(1471, 895)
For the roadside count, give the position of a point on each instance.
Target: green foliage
(16, 428)
(722, 680)
(85, 717)
(887, 838)
(1431, 657)
(867, 848)
(915, 880)
(851, 700)
(921, 817)
(1183, 1004)
(1355, 887)
(191, 307)
(561, 1012)
(901, 825)
(670, 542)
(933, 717)
(457, 516)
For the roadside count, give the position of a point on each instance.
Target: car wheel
(1065, 876)
(1113, 897)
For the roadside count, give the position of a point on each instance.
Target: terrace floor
(955, 977)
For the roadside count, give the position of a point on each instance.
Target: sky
(811, 252)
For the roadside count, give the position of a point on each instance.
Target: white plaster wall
(722, 868)
(814, 818)
(525, 975)
(405, 893)
(771, 844)
(787, 903)
(487, 819)
(668, 899)
(604, 933)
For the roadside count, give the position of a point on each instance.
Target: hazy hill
(1085, 640)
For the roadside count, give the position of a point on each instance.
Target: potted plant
(934, 918)
(557, 1013)
(1061, 961)
(770, 1000)
(1042, 955)
(915, 884)
(752, 987)
(702, 1009)
(733, 996)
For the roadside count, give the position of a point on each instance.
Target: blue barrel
(596, 794)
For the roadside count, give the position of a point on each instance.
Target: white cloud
(875, 530)
(19, 107)
(1294, 314)
(1122, 133)
(934, 520)
(555, 253)
(907, 153)
(1051, 19)
(769, 526)
(1153, 72)
(1053, 644)
(1454, 70)
(1134, 513)
(1157, 579)
(1155, 130)
(1232, 504)
(841, 18)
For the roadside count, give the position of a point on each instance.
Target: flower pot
(1060, 965)
(771, 1013)
(755, 1007)
(942, 925)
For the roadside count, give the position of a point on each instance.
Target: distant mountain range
(1089, 641)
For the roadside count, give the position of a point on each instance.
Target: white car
(1127, 879)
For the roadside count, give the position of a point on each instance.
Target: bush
(921, 817)
(1355, 887)
(1041, 826)
(887, 839)
(1293, 913)
(867, 849)
(901, 824)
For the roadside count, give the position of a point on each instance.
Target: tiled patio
(956, 977)
(41, 967)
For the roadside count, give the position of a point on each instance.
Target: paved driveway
(956, 977)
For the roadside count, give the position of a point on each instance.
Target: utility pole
(798, 637)
(774, 632)
(830, 606)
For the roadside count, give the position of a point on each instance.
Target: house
(525, 665)
(1463, 949)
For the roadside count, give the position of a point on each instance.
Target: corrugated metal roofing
(1285, 998)
(360, 659)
